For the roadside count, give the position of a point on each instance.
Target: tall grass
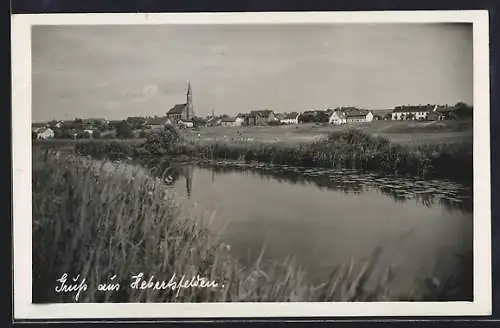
(356, 150)
(95, 221)
(352, 149)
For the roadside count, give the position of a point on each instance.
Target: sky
(114, 72)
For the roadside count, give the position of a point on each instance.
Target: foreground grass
(96, 222)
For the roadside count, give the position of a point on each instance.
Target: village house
(89, 132)
(241, 119)
(337, 117)
(185, 124)
(231, 121)
(45, 134)
(214, 121)
(356, 115)
(419, 112)
(290, 118)
(279, 116)
(184, 112)
(158, 122)
(260, 117)
(38, 127)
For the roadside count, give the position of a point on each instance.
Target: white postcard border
(22, 171)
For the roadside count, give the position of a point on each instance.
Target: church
(183, 112)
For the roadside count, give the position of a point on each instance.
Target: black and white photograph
(250, 162)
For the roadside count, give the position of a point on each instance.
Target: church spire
(189, 102)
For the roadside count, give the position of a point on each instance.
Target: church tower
(189, 103)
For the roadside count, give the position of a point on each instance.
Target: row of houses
(340, 115)
(269, 117)
(183, 117)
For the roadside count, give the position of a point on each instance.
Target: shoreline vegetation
(351, 149)
(93, 221)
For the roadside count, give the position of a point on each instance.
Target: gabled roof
(414, 109)
(177, 109)
(261, 113)
(228, 119)
(292, 115)
(158, 121)
(338, 114)
(381, 112)
(353, 112)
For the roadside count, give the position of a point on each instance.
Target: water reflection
(429, 193)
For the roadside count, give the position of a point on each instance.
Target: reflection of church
(176, 173)
(188, 173)
(184, 112)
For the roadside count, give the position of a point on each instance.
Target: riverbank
(91, 220)
(351, 149)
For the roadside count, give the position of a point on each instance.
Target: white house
(337, 118)
(185, 124)
(290, 118)
(359, 116)
(45, 134)
(231, 121)
(413, 112)
(239, 120)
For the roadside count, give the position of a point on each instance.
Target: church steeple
(189, 102)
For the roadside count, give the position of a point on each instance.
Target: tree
(78, 124)
(462, 110)
(124, 130)
(162, 142)
(199, 121)
(322, 117)
(136, 122)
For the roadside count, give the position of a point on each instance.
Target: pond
(325, 218)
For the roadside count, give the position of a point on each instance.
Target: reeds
(97, 220)
(356, 150)
(352, 149)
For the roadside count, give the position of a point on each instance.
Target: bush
(105, 149)
(163, 142)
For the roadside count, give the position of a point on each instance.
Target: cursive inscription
(176, 283)
(71, 286)
(77, 285)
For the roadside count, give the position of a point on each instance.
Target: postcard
(213, 165)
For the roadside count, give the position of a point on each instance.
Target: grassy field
(401, 132)
(92, 219)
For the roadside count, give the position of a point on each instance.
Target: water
(327, 218)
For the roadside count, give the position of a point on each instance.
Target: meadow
(92, 219)
(401, 132)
